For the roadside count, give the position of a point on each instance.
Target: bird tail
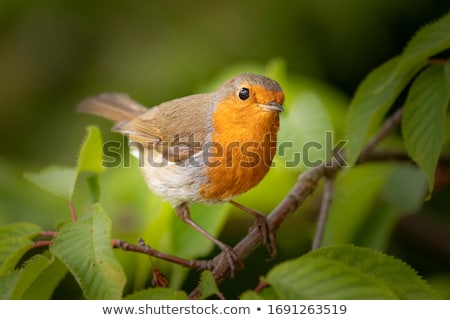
(113, 106)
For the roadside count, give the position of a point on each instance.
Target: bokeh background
(54, 53)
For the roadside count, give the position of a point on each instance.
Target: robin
(206, 148)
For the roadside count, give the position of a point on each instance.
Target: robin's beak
(272, 106)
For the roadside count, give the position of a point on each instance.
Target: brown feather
(113, 106)
(175, 128)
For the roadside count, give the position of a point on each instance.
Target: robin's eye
(244, 93)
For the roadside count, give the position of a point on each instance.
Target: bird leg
(267, 234)
(183, 213)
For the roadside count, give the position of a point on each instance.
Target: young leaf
(347, 272)
(158, 294)
(90, 157)
(85, 248)
(428, 41)
(372, 100)
(208, 286)
(55, 179)
(423, 124)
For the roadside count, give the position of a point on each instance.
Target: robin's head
(252, 94)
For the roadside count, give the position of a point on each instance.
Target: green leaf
(208, 285)
(250, 295)
(55, 179)
(428, 41)
(267, 293)
(46, 281)
(158, 294)
(382, 86)
(19, 229)
(347, 272)
(373, 98)
(90, 157)
(8, 282)
(405, 188)
(35, 281)
(11, 250)
(423, 124)
(85, 248)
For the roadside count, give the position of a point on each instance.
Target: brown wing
(177, 128)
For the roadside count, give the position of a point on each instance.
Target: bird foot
(267, 234)
(232, 259)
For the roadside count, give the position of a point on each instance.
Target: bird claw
(267, 234)
(233, 260)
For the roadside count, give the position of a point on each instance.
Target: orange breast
(243, 146)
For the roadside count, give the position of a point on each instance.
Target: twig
(323, 215)
(146, 249)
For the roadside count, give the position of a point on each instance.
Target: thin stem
(437, 61)
(72, 211)
(261, 285)
(42, 243)
(47, 233)
(324, 211)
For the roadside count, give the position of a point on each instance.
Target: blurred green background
(55, 53)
